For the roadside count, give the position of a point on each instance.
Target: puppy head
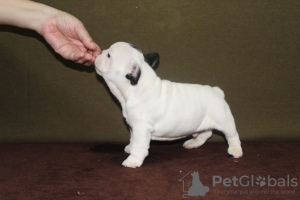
(121, 63)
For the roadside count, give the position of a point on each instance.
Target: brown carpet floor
(94, 171)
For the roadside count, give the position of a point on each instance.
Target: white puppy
(159, 109)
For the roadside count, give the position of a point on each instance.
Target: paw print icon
(261, 181)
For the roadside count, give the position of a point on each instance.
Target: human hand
(69, 38)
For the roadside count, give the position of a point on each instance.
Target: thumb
(85, 38)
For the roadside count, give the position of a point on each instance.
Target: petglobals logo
(251, 181)
(261, 185)
(192, 186)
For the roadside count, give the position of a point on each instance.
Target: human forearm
(25, 13)
(65, 33)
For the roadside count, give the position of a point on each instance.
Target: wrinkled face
(120, 63)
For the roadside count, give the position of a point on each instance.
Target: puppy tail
(219, 91)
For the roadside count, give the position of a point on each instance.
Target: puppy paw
(189, 144)
(193, 143)
(128, 149)
(132, 163)
(235, 150)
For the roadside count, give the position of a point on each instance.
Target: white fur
(163, 110)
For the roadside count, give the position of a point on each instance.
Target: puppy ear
(152, 59)
(134, 75)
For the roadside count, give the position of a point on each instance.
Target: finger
(85, 38)
(96, 53)
(71, 55)
(76, 56)
(85, 59)
(98, 48)
(90, 62)
(81, 61)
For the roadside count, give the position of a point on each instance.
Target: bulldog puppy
(159, 109)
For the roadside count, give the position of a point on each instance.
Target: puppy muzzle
(98, 64)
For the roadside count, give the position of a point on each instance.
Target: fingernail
(93, 43)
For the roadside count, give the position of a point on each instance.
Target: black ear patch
(152, 59)
(135, 47)
(134, 76)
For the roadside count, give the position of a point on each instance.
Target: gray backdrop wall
(248, 48)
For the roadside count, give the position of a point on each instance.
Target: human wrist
(41, 17)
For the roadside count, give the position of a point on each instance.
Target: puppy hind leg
(198, 140)
(234, 145)
(227, 126)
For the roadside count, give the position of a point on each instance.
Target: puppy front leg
(140, 143)
(128, 147)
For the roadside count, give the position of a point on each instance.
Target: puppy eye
(108, 55)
